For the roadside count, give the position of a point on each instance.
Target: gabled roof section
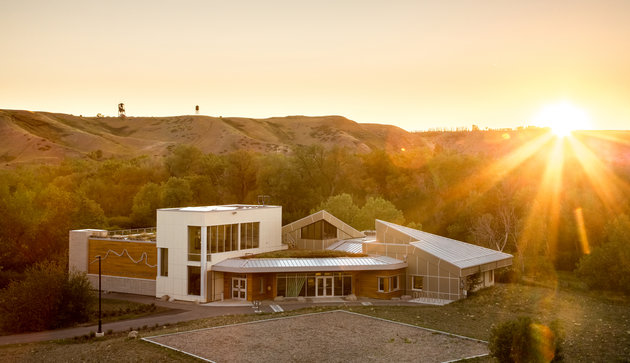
(353, 245)
(322, 215)
(458, 253)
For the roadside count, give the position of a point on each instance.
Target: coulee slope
(28, 136)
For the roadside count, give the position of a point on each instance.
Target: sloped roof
(353, 245)
(322, 215)
(254, 265)
(458, 253)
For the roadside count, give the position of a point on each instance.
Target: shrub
(522, 340)
(48, 297)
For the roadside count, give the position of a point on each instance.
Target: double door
(239, 288)
(324, 286)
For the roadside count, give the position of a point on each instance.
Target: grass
(597, 326)
(297, 253)
(115, 310)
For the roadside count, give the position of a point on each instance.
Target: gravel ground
(336, 336)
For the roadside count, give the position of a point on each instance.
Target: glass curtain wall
(294, 285)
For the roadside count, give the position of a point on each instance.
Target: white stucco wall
(172, 233)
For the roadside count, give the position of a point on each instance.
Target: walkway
(183, 311)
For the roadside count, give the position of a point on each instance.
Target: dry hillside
(43, 137)
(49, 137)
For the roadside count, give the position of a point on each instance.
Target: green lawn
(597, 326)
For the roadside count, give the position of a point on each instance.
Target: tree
(240, 178)
(175, 192)
(145, 203)
(185, 160)
(608, 266)
(341, 206)
(377, 208)
(48, 297)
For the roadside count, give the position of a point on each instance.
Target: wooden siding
(134, 260)
(366, 284)
(268, 281)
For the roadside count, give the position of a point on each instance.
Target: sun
(563, 118)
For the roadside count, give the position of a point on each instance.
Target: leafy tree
(608, 266)
(145, 203)
(48, 297)
(176, 192)
(377, 208)
(341, 206)
(185, 160)
(240, 175)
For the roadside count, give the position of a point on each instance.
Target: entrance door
(239, 288)
(324, 286)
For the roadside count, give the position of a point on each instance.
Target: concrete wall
(78, 247)
(172, 233)
(124, 284)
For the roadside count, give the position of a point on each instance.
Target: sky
(415, 64)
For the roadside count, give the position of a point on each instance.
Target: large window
(313, 284)
(250, 235)
(389, 284)
(319, 230)
(223, 238)
(194, 243)
(194, 280)
(417, 282)
(163, 261)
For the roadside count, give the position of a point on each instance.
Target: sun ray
(604, 182)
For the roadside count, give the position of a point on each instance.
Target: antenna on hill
(197, 110)
(121, 110)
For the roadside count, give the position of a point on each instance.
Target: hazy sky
(415, 64)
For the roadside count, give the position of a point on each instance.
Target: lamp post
(99, 333)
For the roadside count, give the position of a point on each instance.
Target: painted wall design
(123, 258)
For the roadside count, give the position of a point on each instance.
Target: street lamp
(99, 333)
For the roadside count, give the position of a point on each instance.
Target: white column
(204, 254)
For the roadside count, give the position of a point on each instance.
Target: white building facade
(191, 240)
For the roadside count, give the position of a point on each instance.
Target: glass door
(239, 288)
(324, 286)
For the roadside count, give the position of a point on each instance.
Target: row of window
(223, 238)
(392, 283)
(319, 230)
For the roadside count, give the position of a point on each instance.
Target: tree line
(435, 189)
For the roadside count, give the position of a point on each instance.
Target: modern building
(209, 253)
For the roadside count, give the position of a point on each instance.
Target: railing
(138, 234)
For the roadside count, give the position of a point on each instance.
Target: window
(417, 282)
(250, 235)
(393, 283)
(319, 230)
(223, 238)
(194, 280)
(389, 284)
(194, 243)
(163, 261)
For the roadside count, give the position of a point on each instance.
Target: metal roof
(353, 245)
(458, 253)
(252, 265)
(219, 208)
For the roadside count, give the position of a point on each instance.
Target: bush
(522, 340)
(48, 297)
(608, 266)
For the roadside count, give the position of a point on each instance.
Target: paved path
(181, 311)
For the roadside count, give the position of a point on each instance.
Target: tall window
(194, 243)
(250, 235)
(163, 261)
(223, 238)
(319, 230)
(194, 280)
